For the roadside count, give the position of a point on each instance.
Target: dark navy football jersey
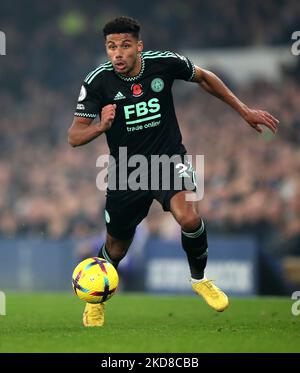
(145, 119)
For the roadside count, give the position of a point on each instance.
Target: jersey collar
(136, 77)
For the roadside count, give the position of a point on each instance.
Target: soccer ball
(95, 280)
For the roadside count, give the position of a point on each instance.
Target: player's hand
(107, 116)
(258, 118)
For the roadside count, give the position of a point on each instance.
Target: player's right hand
(107, 116)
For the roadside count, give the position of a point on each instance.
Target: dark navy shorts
(125, 209)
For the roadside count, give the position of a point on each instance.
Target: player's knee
(116, 252)
(189, 222)
(117, 248)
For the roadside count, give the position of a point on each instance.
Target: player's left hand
(258, 118)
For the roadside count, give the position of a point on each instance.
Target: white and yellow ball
(95, 280)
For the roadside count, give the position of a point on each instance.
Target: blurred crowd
(47, 188)
(252, 182)
(54, 41)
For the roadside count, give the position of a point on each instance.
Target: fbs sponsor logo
(141, 111)
(119, 96)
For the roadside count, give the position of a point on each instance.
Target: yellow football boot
(213, 296)
(93, 314)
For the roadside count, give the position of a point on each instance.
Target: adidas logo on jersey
(119, 96)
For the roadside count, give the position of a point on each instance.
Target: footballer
(132, 94)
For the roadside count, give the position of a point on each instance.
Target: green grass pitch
(51, 322)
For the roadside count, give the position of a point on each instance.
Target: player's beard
(131, 68)
(128, 68)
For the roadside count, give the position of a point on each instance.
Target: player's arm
(82, 131)
(214, 85)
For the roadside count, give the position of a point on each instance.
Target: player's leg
(113, 251)
(193, 233)
(194, 242)
(123, 212)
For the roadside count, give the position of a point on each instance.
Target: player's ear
(140, 46)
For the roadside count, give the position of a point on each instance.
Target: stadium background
(51, 214)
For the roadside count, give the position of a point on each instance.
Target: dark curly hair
(122, 25)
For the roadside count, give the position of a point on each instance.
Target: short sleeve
(182, 67)
(89, 102)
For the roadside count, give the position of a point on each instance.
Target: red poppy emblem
(136, 90)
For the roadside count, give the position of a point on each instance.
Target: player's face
(123, 50)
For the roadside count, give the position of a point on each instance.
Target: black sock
(195, 245)
(105, 255)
